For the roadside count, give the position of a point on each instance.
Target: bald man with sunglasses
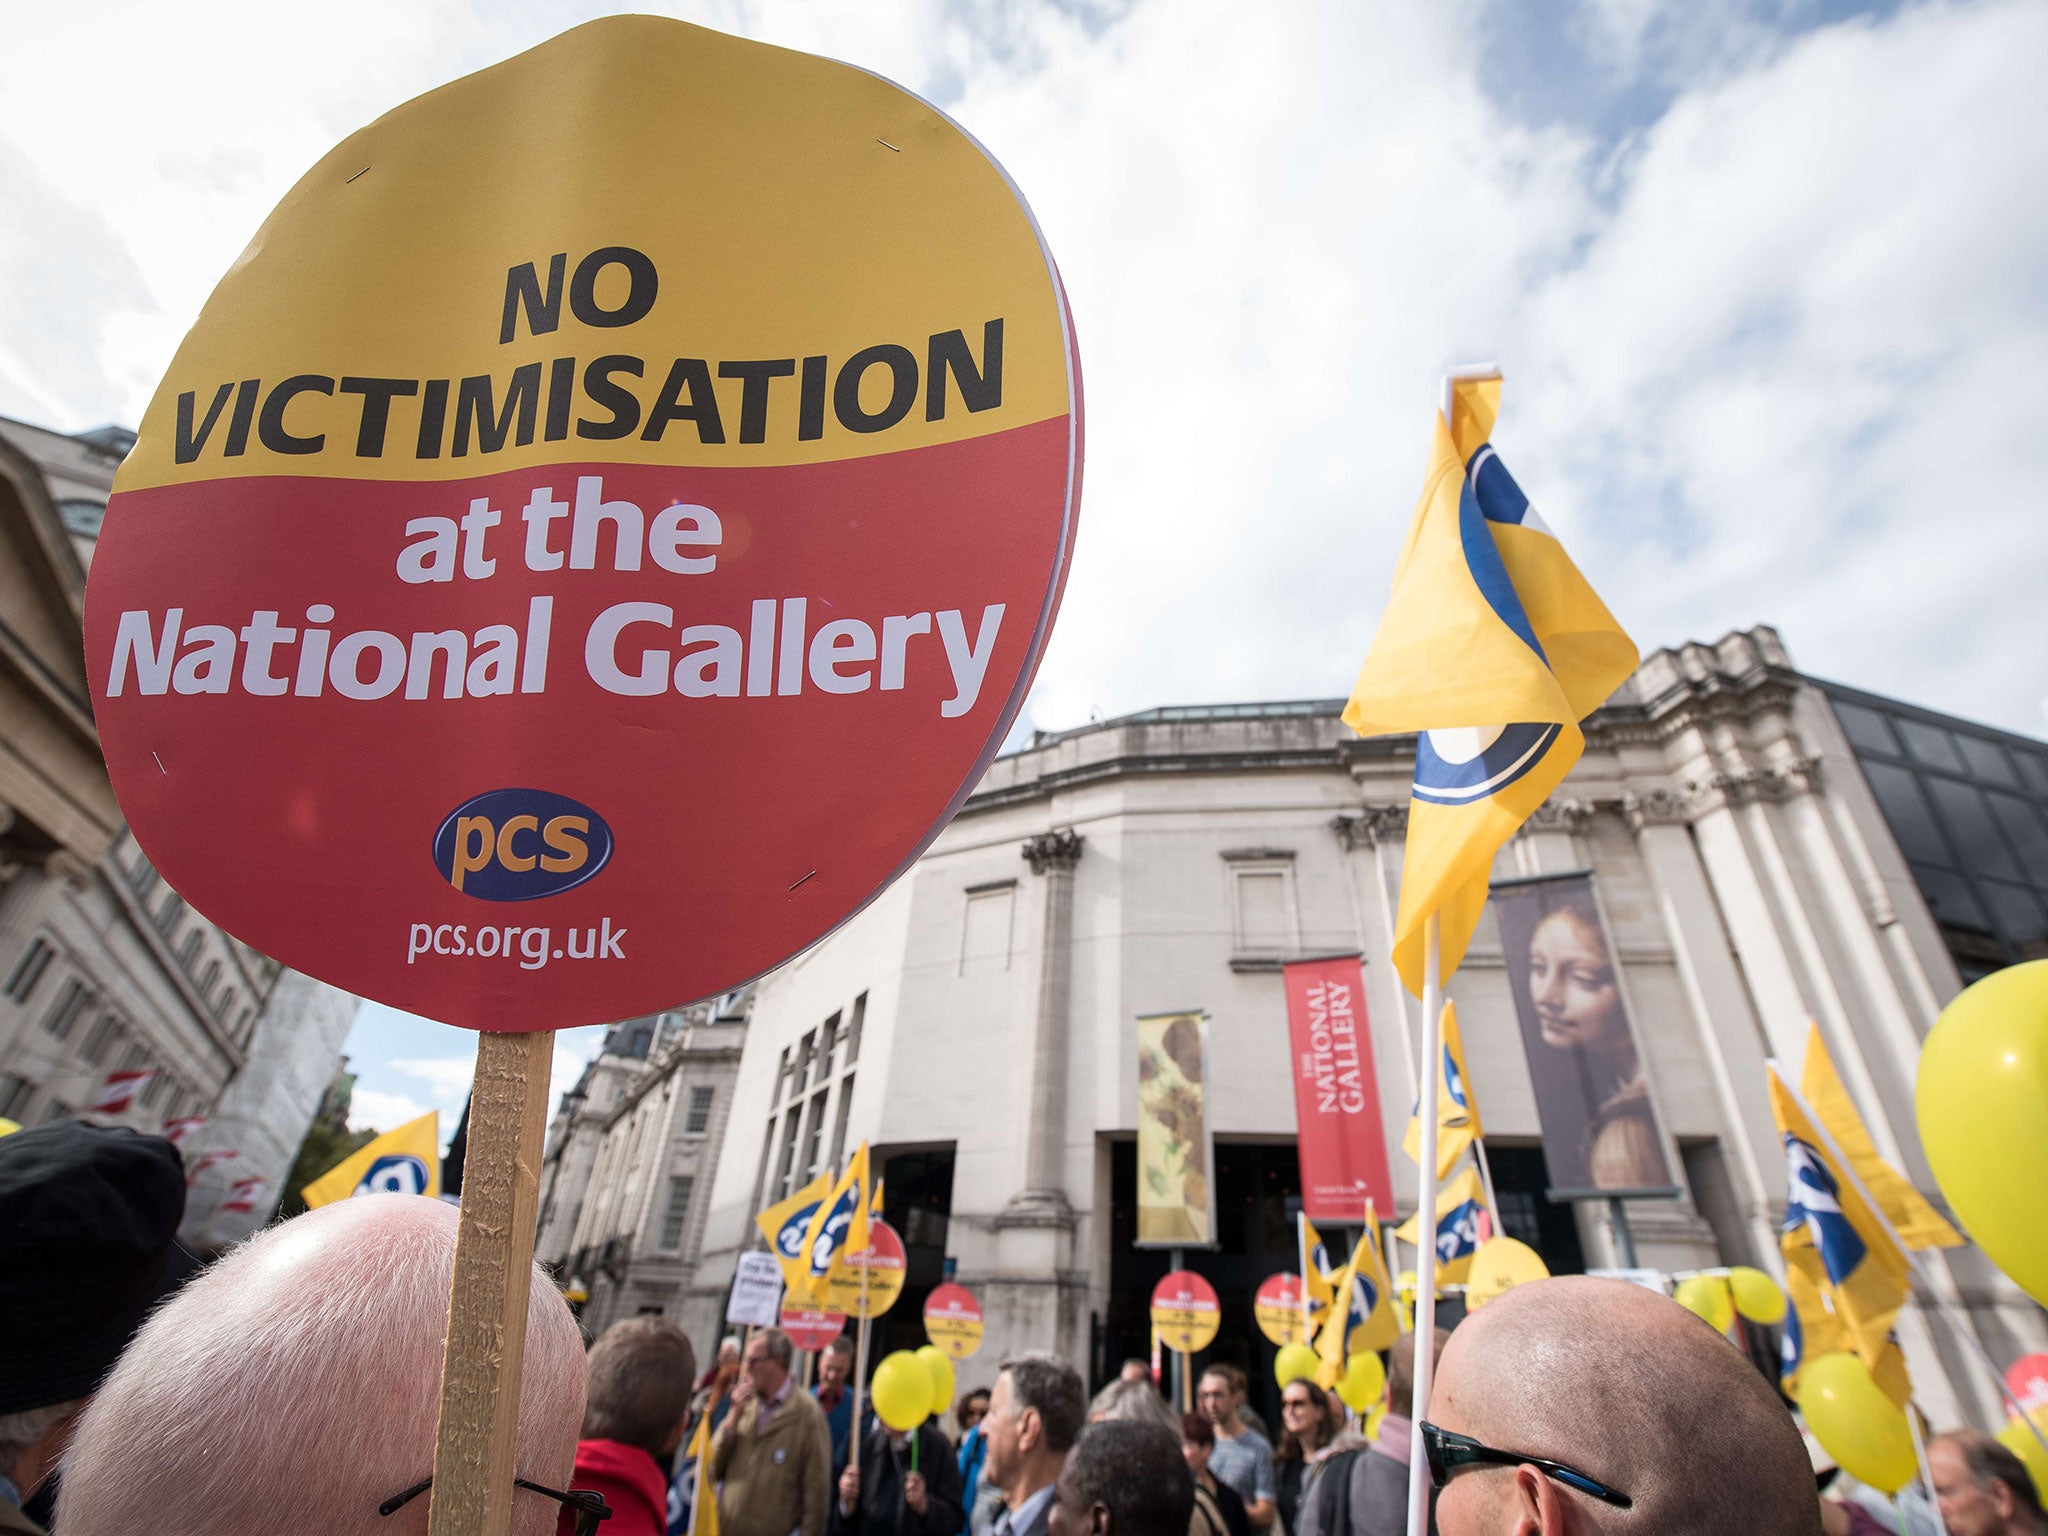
(1576, 1405)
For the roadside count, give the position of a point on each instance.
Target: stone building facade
(631, 1156)
(976, 1022)
(102, 965)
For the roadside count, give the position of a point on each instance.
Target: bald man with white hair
(295, 1386)
(1578, 1405)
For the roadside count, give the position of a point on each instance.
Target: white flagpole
(1425, 1224)
(1965, 1327)
(1308, 1333)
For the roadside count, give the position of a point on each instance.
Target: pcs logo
(400, 1174)
(518, 844)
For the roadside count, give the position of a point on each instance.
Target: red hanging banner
(1336, 1092)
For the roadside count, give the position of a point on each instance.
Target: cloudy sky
(1768, 282)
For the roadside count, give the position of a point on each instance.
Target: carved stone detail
(1774, 783)
(1370, 827)
(1655, 808)
(1059, 850)
(63, 864)
(1560, 816)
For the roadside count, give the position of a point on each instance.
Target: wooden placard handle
(474, 1448)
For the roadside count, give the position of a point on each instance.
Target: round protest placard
(952, 1320)
(1185, 1311)
(1277, 1305)
(1501, 1264)
(2027, 1379)
(882, 1264)
(812, 1327)
(578, 458)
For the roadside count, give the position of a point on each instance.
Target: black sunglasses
(1449, 1453)
(589, 1507)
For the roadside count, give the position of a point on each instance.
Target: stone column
(1043, 1200)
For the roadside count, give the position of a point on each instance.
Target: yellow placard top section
(641, 242)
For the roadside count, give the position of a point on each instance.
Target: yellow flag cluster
(1457, 1112)
(1492, 648)
(1361, 1317)
(812, 1231)
(1847, 1270)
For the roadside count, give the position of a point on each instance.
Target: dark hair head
(840, 1346)
(1196, 1427)
(780, 1350)
(966, 1405)
(1045, 1383)
(641, 1372)
(1990, 1462)
(1401, 1369)
(1134, 1470)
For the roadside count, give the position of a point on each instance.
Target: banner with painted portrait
(1174, 1150)
(1601, 1135)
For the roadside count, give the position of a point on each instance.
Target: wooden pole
(486, 1351)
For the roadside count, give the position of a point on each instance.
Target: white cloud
(448, 1077)
(1773, 359)
(373, 1110)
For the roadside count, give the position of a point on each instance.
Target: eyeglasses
(589, 1507)
(1449, 1454)
(1295, 1402)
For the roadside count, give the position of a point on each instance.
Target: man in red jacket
(640, 1376)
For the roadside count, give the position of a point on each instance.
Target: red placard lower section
(561, 746)
(1342, 1139)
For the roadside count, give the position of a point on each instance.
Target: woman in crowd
(1218, 1509)
(968, 1414)
(1305, 1435)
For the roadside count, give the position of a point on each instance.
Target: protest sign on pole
(811, 1328)
(1282, 1309)
(952, 1320)
(1340, 1136)
(756, 1299)
(532, 503)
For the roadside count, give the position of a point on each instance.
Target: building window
(28, 970)
(985, 928)
(104, 1033)
(188, 952)
(828, 1042)
(676, 1213)
(1262, 907)
(142, 875)
(245, 1024)
(154, 1089)
(853, 1028)
(781, 1076)
(839, 1124)
(783, 1185)
(65, 1011)
(697, 1117)
(207, 978)
(168, 914)
(14, 1095)
(133, 1059)
(814, 1137)
(227, 1003)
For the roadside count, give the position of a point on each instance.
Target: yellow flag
(1492, 647)
(704, 1502)
(1316, 1281)
(1367, 1322)
(1918, 1223)
(1866, 1272)
(839, 1226)
(1459, 1205)
(784, 1225)
(1457, 1112)
(406, 1161)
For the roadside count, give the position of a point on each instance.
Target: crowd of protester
(293, 1386)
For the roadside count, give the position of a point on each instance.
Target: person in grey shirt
(1243, 1457)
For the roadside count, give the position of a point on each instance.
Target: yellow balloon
(1757, 1296)
(1982, 1087)
(940, 1370)
(1865, 1431)
(1364, 1380)
(1295, 1362)
(1707, 1297)
(902, 1391)
(2018, 1439)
